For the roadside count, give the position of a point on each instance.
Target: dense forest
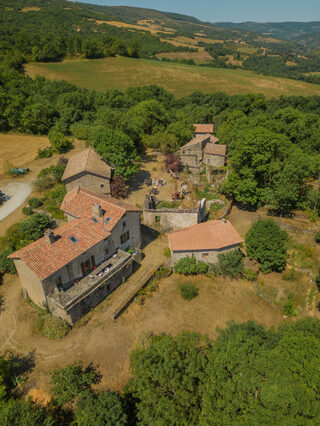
(248, 376)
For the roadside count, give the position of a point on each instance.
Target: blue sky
(231, 10)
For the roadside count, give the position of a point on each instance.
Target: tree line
(248, 375)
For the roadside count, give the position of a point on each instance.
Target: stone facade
(173, 219)
(88, 180)
(73, 310)
(217, 161)
(191, 155)
(208, 256)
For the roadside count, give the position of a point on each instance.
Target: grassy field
(181, 80)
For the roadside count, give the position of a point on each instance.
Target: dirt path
(16, 193)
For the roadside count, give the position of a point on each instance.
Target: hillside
(291, 31)
(48, 31)
(179, 79)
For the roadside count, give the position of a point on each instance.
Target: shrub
(229, 264)
(51, 326)
(43, 183)
(27, 211)
(317, 281)
(289, 309)
(45, 153)
(249, 274)
(167, 252)
(34, 227)
(317, 237)
(54, 171)
(118, 187)
(7, 265)
(190, 266)
(188, 291)
(267, 244)
(35, 202)
(290, 275)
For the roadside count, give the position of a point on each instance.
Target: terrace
(93, 280)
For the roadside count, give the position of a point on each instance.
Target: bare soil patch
(200, 56)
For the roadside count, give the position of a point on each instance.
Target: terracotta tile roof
(44, 258)
(214, 149)
(87, 161)
(196, 139)
(211, 235)
(203, 128)
(79, 203)
(214, 139)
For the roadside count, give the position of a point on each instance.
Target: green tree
(266, 242)
(15, 412)
(34, 227)
(68, 382)
(229, 264)
(59, 142)
(118, 150)
(168, 375)
(104, 408)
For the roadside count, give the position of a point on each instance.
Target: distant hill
(291, 31)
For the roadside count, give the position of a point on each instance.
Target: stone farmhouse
(88, 170)
(73, 268)
(203, 149)
(204, 241)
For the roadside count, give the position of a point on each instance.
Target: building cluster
(203, 150)
(72, 268)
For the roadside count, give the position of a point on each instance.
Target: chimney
(97, 210)
(49, 236)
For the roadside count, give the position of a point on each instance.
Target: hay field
(181, 80)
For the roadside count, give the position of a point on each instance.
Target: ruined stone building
(170, 219)
(88, 170)
(203, 149)
(73, 268)
(204, 241)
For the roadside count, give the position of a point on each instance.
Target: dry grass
(201, 56)
(179, 79)
(142, 26)
(30, 9)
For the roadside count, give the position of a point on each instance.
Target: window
(106, 252)
(88, 265)
(157, 219)
(73, 239)
(124, 224)
(204, 255)
(102, 185)
(124, 237)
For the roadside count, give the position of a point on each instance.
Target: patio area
(90, 282)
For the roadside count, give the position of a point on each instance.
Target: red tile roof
(214, 149)
(214, 139)
(79, 203)
(211, 235)
(87, 161)
(44, 259)
(203, 128)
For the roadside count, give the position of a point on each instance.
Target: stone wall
(214, 160)
(30, 283)
(89, 181)
(208, 256)
(82, 306)
(172, 219)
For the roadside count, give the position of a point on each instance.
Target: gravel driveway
(17, 192)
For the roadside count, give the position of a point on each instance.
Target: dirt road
(16, 193)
